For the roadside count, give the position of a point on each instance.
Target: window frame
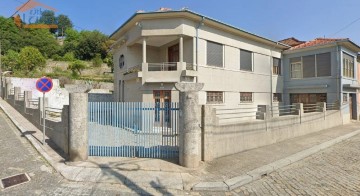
(348, 66)
(300, 70)
(214, 97)
(222, 55)
(276, 71)
(247, 101)
(251, 58)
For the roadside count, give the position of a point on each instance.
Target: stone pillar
(17, 91)
(27, 98)
(181, 49)
(190, 130)
(8, 89)
(78, 122)
(144, 50)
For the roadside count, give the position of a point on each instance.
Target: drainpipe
(339, 76)
(271, 79)
(197, 42)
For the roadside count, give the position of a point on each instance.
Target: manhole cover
(14, 180)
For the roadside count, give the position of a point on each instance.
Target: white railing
(166, 66)
(283, 110)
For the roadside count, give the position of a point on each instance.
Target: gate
(126, 129)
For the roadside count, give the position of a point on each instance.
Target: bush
(76, 67)
(97, 61)
(30, 59)
(56, 57)
(69, 56)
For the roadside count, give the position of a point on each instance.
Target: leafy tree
(43, 40)
(10, 61)
(97, 61)
(109, 61)
(63, 23)
(69, 56)
(31, 59)
(10, 35)
(48, 17)
(90, 44)
(76, 67)
(71, 41)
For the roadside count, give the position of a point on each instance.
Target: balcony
(167, 72)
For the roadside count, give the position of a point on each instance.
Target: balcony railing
(167, 66)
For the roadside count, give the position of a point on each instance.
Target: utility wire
(345, 27)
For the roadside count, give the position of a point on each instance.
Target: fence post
(321, 107)
(299, 109)
(190, 130)
(17, 90)
(8, 86)
(27, 97)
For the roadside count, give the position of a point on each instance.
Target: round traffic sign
(44, 84)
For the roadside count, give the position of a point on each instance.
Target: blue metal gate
(127, 129)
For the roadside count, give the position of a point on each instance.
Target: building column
(181, 49)
(144, 50)
(190, 121)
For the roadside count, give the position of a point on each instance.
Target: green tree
(10, 35)
(48, 17)
(76, 67)
(109, 61)
(31, 59)
(63, 23)
(10, 61)
(71, 41)
(43, 40)
(90, 44)
(97, 61)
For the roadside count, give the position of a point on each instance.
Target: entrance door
(162, 100)
(352, 106)
(173, 56)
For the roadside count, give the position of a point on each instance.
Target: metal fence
(283, 110)
(124, 129)
(308, 108)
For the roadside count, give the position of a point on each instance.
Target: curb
(235, 182)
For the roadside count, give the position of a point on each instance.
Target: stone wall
(226, 139)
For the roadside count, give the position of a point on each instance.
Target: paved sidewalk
(221, 174)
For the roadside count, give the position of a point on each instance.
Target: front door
(352, 106)
(173, 56)
(162, 100)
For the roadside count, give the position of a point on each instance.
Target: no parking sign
(44, 85)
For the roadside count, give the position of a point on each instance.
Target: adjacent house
(155, 50)
(322, 70)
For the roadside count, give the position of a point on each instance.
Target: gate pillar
(78, 123)
(190, 120)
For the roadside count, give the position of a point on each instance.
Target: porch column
(144, 50)
(181, 49)
(190, 130)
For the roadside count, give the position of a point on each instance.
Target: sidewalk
(222, 174)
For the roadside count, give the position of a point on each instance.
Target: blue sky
(276, 19)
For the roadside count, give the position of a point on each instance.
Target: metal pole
(43, 118)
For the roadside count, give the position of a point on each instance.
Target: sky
(272, 19)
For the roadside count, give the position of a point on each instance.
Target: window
(276, 66)
(348, 66)
(323, 64)
(295, 67)
(245, 60)
(246, 97)
(214, 97)
(308, 65)
(121, 61)
(214, 54)
(345, 98)
(277, 97)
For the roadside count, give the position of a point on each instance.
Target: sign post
(44, 85)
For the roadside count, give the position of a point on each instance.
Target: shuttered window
(308, 63)
(276, 66)
(245, 60)
(348, 66)
(214, 54)
(323, 64)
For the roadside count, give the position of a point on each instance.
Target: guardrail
(166, 66)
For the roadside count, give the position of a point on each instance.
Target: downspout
(197, 42)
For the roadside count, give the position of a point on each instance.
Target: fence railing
(34, 103)
(332, 106)
(21, 96)
(53, 113)
(242, 113)
(311, 108)
(166, 66)
(283, 110)
(12, 91)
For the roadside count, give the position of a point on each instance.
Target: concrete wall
(100, 97)
(56, 130)
(230, 138)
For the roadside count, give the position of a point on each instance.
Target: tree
(76, 67)
(11, 60)
(90, 44)
(10, 35)
(48, 17)
(43, 40)
(71, 41)
(30, 59)
(63, 23)
(109, 61)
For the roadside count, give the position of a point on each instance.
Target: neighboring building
(291, 41)
(322, 70)
(155, 50)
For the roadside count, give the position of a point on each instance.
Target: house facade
(322, 70)
(155, 50)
